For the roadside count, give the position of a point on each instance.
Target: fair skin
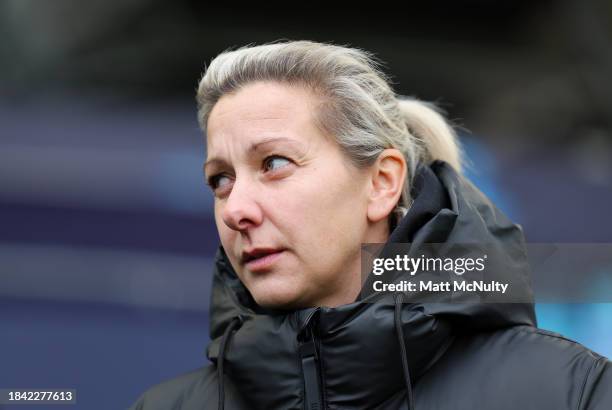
(284, 187)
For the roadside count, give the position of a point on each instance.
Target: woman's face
(289, 207)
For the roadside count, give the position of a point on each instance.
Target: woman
(310, 154)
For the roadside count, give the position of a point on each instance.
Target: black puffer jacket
(393, 355)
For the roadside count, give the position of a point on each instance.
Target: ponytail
(435, 138)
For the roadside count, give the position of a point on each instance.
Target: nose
(241, 209)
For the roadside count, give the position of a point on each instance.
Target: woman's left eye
(275, 162)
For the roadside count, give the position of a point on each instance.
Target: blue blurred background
(106, 227)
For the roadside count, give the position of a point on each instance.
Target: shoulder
(177, 392)
(531, 366)
(532, 342)
(551, 351)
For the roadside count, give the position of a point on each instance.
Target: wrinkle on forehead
(281, 112)
(276, 106)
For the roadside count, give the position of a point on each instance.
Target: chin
(279, 300)
(276, 302)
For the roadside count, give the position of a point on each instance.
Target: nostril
(243, 218)
(241, 209)
(239, 223)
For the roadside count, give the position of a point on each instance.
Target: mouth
(261, 258)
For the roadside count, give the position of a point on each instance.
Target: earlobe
(387, 181)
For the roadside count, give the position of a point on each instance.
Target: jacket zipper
(309, 352)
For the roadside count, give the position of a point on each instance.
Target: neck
(352, 282)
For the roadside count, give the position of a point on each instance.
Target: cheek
(328, 217)
(336, 201)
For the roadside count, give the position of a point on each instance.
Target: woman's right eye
(218, 182)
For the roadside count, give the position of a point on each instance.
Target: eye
(275, 162)
(218, 181)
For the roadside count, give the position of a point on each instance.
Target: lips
(257, 253)
(261, 259)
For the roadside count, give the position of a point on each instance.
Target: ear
(387, 178)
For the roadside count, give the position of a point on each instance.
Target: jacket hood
(358, 342)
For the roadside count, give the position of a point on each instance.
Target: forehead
(262, 109)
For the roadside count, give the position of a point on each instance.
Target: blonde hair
(361, 110)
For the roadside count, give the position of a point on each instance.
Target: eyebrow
(254, 147)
